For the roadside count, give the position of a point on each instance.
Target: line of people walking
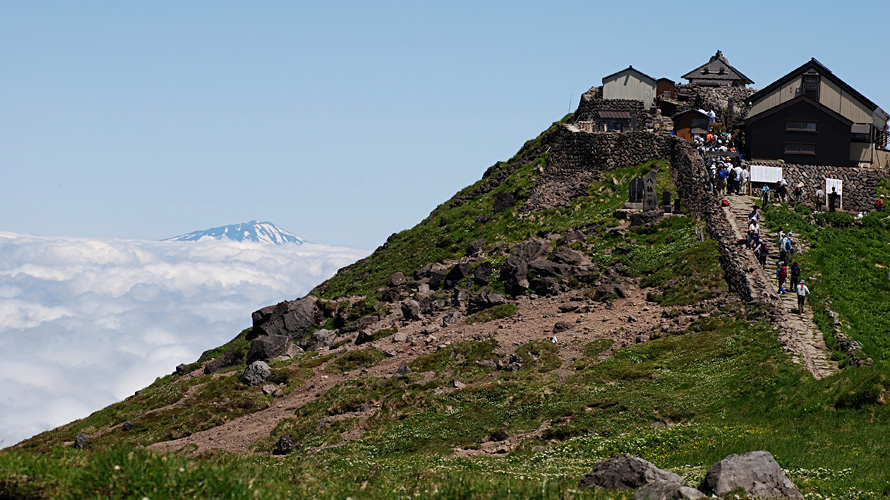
(787, 246)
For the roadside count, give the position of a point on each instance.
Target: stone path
(798, 334)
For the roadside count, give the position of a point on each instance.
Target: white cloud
(85, 322)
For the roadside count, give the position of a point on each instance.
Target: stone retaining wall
(689, 174)
(575, 151)
(859, 183)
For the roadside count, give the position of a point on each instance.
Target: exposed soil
(626, 321)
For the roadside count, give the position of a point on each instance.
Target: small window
(800, 126)
(798, 148)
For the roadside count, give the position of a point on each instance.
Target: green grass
(682, 401)
(846, 270)
(492, 313)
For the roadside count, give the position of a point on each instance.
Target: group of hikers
(787, 246)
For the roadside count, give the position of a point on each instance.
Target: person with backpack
(762, 252)
(781, 274)
(802, 292)
(795, 273)
(785, 248)
(879, 204)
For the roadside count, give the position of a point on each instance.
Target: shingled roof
(717, 71)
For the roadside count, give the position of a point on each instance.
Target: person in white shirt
(802, 292)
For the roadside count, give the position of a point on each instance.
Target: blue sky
(340, 121)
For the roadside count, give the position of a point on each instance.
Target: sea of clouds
(87, 322)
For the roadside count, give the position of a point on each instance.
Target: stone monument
(650, 200)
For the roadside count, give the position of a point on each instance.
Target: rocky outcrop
(625, 472)
(756, 472)
(292, 319)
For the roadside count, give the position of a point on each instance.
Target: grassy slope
(725, 386)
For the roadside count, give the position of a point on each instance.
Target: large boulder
(482, 273)
(455, 275)
(397, 279)
(81, 440)
(291, 318)
(256, 373)
(549, 268)
(267, 347)
(667, 490)
(484, 300)
(223, 361)
(503, 201)
(284, 445)
(626, 472)
(529, 250)
(411, 310)
(475, 247)
(755, 472)
(514, 274)
(546, 287)
(318, 340)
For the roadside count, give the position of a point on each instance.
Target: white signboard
(762, 173)
(834, 183)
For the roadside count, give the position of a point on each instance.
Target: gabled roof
(717, 69)
(703, 114)
(629, 68)
(824, 72)
(795, 101)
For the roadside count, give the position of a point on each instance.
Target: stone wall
(592, 102)
(690, 176)
(728, 102)
(574, 151)
(859, 183)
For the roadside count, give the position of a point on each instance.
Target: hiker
(754, 215)
(879, 204)
(753, 230)
(764, 196)
(798, 193)
(802, 292)
(833, 199)
(743, 185)
(762, 252)
(820, 199)
(782, 190)
(795, 273)
(785, 248)
(781, 274)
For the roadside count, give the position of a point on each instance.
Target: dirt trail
(798, 334)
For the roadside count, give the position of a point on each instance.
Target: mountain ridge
(256, 231)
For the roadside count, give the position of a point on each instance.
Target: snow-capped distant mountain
(262, 232)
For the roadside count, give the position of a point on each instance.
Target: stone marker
(650, 200)
(635, 190)
(666, 201)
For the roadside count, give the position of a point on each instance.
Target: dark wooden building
(665, 88)
(812, 117)
(717, 72)
(690, 124)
